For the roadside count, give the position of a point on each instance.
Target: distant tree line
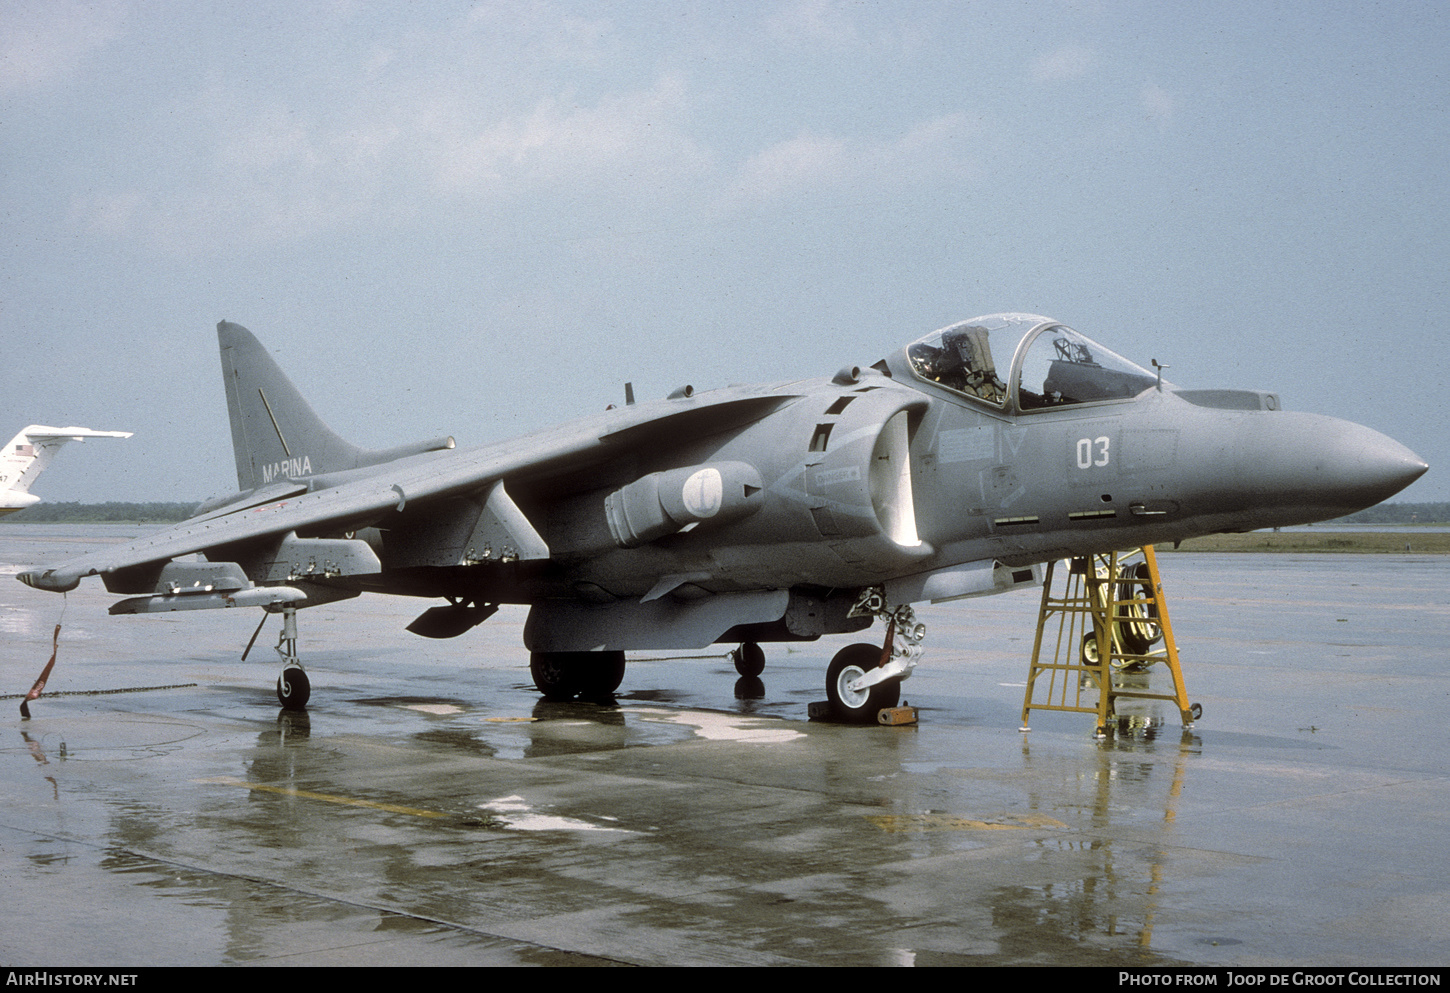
(1401, 513)
(102, 513)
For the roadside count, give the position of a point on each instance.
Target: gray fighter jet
(954, 468)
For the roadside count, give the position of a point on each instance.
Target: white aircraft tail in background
(28, 453)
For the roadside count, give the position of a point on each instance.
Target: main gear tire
(600, 673)
(565, 675)
(555, 675)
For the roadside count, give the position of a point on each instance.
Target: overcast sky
(482, 218)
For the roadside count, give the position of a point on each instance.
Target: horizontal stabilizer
(221, 506)
(38, 432)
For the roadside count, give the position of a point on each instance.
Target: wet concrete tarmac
(429, 810)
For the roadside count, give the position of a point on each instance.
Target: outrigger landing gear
(294, 689)
(862, 679)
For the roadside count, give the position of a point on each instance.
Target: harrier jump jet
(956, 467)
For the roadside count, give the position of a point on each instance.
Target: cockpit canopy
(1024, 361)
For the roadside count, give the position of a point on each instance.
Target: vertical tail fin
(275, 432)
(29, 452)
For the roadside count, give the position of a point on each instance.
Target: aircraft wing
(383, 488)
(355, 499)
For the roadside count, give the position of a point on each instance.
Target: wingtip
(40, 580)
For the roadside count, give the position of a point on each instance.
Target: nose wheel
(851, 702)
(863, 680)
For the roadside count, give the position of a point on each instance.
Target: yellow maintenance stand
(1108, 619)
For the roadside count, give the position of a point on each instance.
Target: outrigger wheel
(294, 689)
(858, 706)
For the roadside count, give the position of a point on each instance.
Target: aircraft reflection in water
(1120, 885)
(954, 468)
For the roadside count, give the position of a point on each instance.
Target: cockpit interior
(1046, 365)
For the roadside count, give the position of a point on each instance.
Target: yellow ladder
(1109, 617)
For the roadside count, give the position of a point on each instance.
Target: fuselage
(875, 475)
(953, 468)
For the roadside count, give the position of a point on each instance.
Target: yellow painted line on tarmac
(347, 801)
(947, 822)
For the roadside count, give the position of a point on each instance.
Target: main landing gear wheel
(603, 672)
(858, 706)
(749, 659)
(565, 675)
(294, 689)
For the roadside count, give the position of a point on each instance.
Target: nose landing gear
(862, 679)
(853, 700)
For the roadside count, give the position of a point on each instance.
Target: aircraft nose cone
(1389, 467)
(1362, 467)
(1327, 463)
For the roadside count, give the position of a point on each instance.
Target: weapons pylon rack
(1101, 632)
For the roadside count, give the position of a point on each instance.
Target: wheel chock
(896, 716)
(820, 710)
